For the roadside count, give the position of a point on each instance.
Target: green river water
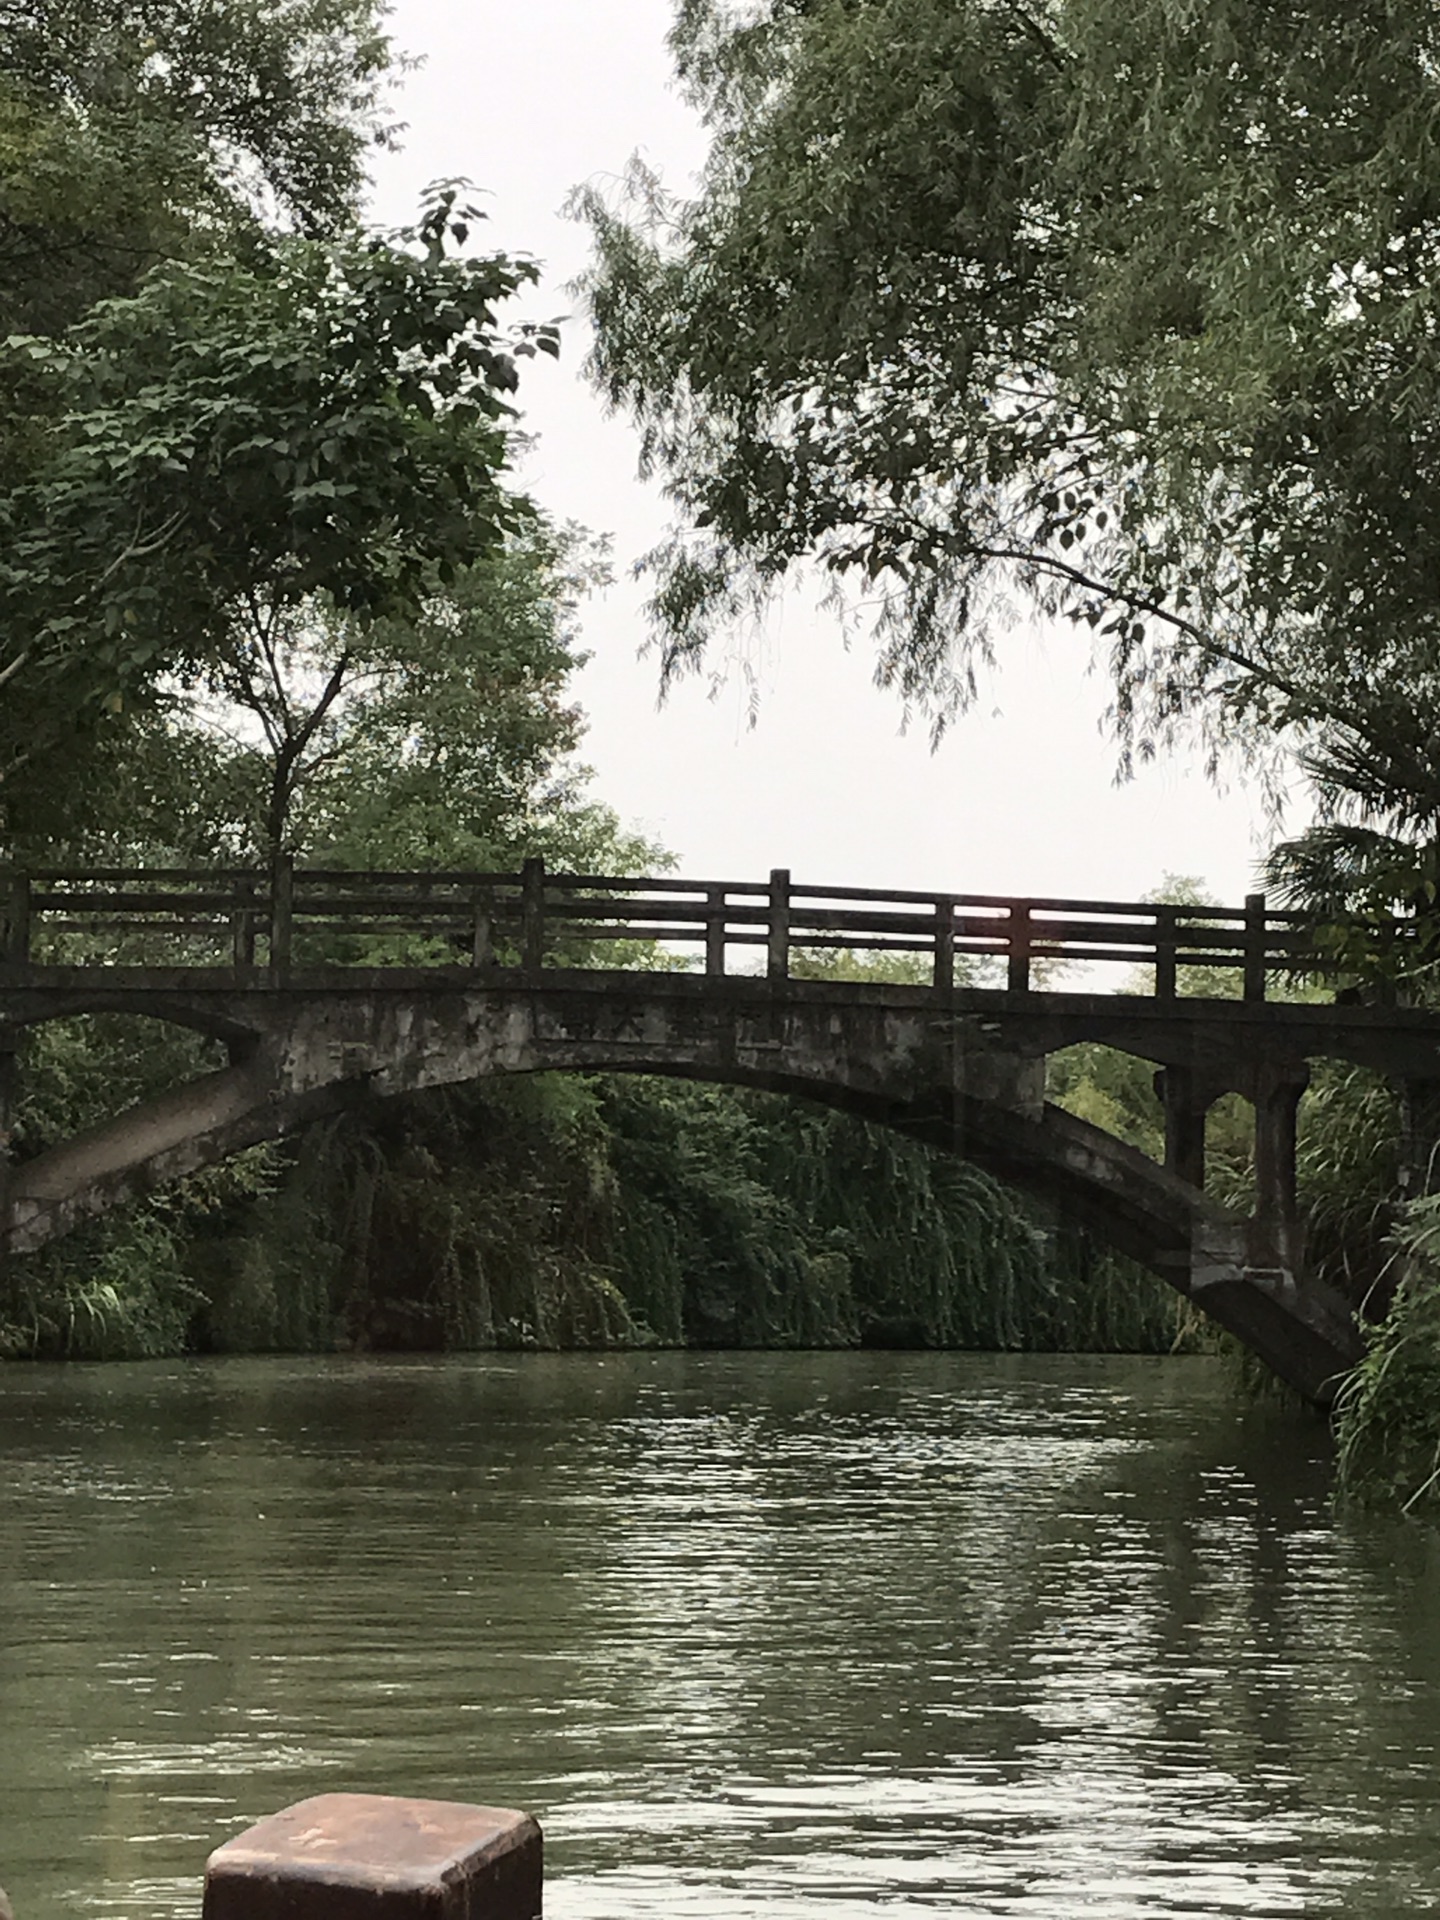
(751, 1634)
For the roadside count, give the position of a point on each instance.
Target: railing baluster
(242, 924)
(1166, 924)
(17, 917)
(482, 933)
(282, 911)
(715, 932)
(532, 915)
(944, 974)
(778, 945)
(1254, 946)
(1020, 935)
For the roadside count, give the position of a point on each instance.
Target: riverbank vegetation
(583, 1212)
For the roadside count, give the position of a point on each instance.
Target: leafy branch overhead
(133, 131)
(325, 418)
(1127, 309)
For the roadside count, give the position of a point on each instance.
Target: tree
(463, 1216)
(1127, 308)
(1367, 869)
(212, 460)
(187, 298)
(404, 742)
(459, 742)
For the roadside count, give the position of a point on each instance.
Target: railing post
(944, 974)
(482, 932)
(715, 931)
(1018, 971)
(9, 1106)
(242, 924)
(532, 915)
(282, 911)
(17, 917)
(1254, 946)
(778, 944)
(345, 1854)
(1166, 919)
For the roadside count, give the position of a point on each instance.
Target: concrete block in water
(342, 1856)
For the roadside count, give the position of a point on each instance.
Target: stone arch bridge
(327, 990)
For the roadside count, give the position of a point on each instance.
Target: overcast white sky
(528, 101)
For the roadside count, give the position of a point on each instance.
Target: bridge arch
(196, 1016)
(956, 1078)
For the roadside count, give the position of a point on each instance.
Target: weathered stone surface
(360, 1856)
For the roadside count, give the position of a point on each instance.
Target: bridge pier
(1275, 1236)
(1187, 1099)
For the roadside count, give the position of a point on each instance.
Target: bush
(1388, 1410)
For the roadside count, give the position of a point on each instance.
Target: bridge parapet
(286, 918)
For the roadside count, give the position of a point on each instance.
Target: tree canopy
(194, 464)
(226, 411)
(1129, 309)
(135, 130)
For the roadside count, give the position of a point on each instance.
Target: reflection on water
(748, 1632)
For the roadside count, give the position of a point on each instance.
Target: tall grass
(1388, 1410)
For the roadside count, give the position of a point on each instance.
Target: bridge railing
(267, 923)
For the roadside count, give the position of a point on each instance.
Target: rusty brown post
(715, 931)
(777, 959)
(344, 1856)
(532, 915)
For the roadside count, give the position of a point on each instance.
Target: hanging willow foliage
(571, 1212)
(746, 1219)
